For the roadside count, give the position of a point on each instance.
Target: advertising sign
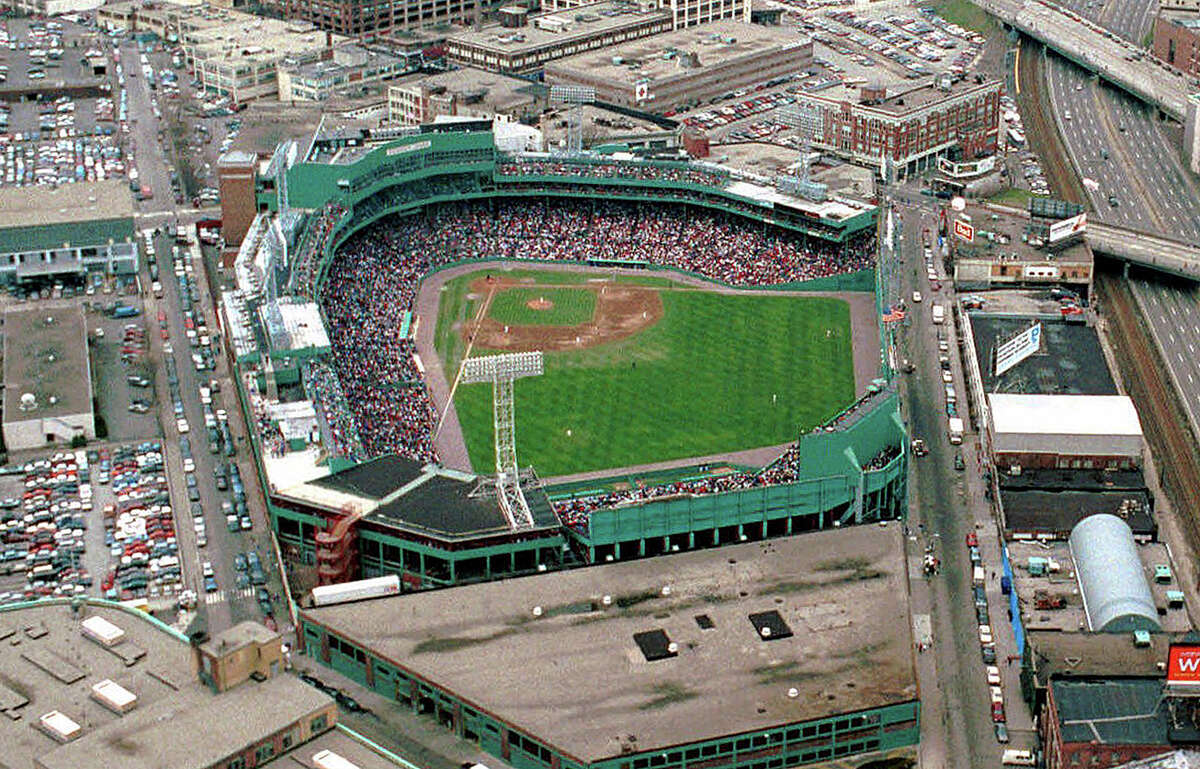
(964, 230)
(1018, 349)
(1183, 665)
(1068, 227)
(641, 90)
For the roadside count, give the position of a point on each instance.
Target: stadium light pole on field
(502, 371)
(575, 96)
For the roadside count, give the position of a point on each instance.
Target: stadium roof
(1064, 414)
(1111, 711)
(579, 678)
(425, 499)
(46, 354)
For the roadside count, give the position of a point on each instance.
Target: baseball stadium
(469, 364)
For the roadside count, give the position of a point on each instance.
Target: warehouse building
(350, 68)
(545, 37)
(1112, 581)
(715, 658)
(67, 232)
(906, 132)
(1065, 431)
(47, 378)
(464, 92)
(691, 65)
(95, 684)
(1103, 722)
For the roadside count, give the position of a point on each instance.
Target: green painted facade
(833, 489)
(51, 236)
(848, 739)
(410, 173)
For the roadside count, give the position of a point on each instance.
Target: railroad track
(1142, 368)
(1041, 132)
(1163, 421)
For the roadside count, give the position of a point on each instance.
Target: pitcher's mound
(539, 304)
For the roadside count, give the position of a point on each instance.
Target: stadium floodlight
(575, 96)
(502, 371)
(807, 120)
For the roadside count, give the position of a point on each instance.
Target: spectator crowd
(372, 283)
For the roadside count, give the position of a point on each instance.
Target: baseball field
(640, 370)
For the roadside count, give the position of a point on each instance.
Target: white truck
(956, 430)
(939, 314)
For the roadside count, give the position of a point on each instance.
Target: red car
(998, 712)
(972, 540)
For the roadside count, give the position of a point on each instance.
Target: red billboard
(1183, 665)
(964, 230)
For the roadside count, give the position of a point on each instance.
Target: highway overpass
(1096, 50)
(1142, 248)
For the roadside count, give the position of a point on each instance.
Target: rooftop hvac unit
(113, 696)
(327, 759)
(102, 631)
(59, 726)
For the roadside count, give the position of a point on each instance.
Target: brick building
(235, 172)
(908, 131)
(1177, 40)
(1103, 722)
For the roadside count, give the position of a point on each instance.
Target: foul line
(487, 302)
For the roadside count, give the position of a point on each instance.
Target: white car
(182, 425)
(985, 634)
(916, 297)
(997, 694)
(189, 466)
(206, 568)
(947, 377)
(993, 675)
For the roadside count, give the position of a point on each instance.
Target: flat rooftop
(254, 38)
(1071, 360)
(46, 354)
(178, 722)
(576, 678)
(902, 99)
(1071, 617)
(581, 22)
(1112, 711)
(999, 233)
(655, 58)
(1054, 414)
(70, 203)
(1057, 512)
(500, 92)
(1094, 654)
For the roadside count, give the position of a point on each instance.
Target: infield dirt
(621, 311)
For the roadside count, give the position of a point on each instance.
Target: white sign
(1043, 271)
(1018, 348)
(641, 90)
(1068, 227)
(964, 230)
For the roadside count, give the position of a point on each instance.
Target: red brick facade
(1177, 44)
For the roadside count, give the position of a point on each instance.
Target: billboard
(1183, 665)
(1018, 348)
(964, 230)
(1068, 227)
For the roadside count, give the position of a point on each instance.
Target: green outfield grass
(572, 306)
(718, 373)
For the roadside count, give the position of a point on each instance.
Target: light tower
(575, 96)
(502, 371)
(806, 119)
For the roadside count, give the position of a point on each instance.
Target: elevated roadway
(1145, 249)
(1097, 50)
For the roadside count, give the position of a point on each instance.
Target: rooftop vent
(770, 625)
(59, 726)
(655, 645)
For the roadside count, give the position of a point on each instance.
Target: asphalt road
(944, 505)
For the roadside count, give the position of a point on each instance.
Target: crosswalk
(224, 595)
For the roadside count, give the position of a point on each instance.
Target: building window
(319, 724)
(237, 763)
(264, 751)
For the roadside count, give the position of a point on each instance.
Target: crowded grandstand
(373, 400)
